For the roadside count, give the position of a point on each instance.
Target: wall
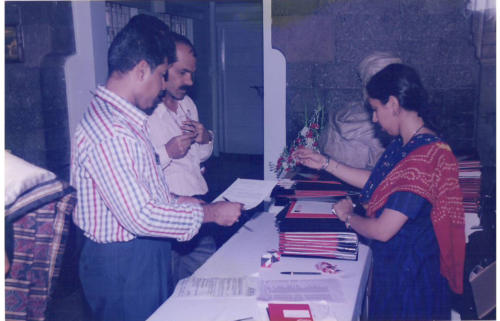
(202, 93)
(274, 96)
(36, 124)
(484, 31)
(324, 41)
(88, 66)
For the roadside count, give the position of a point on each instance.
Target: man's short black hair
(178, 38)
(145, 37)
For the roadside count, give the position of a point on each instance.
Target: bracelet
(327, 162)
(348, 221)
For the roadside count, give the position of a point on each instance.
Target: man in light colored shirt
(183, 143)
(125, 209)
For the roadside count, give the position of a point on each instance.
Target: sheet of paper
(300, 290)
(214, 287)
(312, 207)
(249, 192)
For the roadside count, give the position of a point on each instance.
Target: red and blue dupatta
(430, 170)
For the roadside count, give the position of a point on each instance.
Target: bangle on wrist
(325, 165)
(348, 221)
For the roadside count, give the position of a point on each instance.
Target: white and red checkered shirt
(121, 190)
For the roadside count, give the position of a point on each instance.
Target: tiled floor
(69, 303)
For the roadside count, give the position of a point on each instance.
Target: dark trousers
(125, 281)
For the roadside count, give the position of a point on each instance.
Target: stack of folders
(308, 228)
(469, 177)
(312, 190)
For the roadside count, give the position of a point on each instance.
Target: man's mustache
(163, 93)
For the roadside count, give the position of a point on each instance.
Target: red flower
(309, 134)
(314, 126)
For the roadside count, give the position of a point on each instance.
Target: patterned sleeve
(126, 180)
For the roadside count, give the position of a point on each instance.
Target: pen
(244, 226)
(301, 273)
(228, 200)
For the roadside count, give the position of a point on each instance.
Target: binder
(319, 234)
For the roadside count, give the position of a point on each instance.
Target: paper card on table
(289, 312)
(311, 209)
(249, 192)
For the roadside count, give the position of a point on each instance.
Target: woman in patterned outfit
(414, 212)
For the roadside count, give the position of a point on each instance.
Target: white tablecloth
(241, 255)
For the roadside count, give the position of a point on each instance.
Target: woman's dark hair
(402, 82)
(143, 38)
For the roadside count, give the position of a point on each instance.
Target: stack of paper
(469, 176)
(309, 228)
(329, 190)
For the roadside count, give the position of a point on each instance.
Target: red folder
(289, 312)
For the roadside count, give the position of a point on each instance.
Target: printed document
(307, 290)
(249, 192)
(214, 287)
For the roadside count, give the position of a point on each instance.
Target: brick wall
(324, 41)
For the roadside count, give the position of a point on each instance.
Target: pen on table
(300, 273)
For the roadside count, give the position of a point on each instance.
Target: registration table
(241, 256)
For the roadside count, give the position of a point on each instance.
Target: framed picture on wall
(13, 43)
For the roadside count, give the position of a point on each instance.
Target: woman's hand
(343, 208)
(309, 158)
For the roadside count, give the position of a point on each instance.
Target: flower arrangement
(307, 137)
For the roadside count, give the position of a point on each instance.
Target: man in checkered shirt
(125, 209)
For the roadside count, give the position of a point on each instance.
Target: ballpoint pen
(300, 273)
(244, 226)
